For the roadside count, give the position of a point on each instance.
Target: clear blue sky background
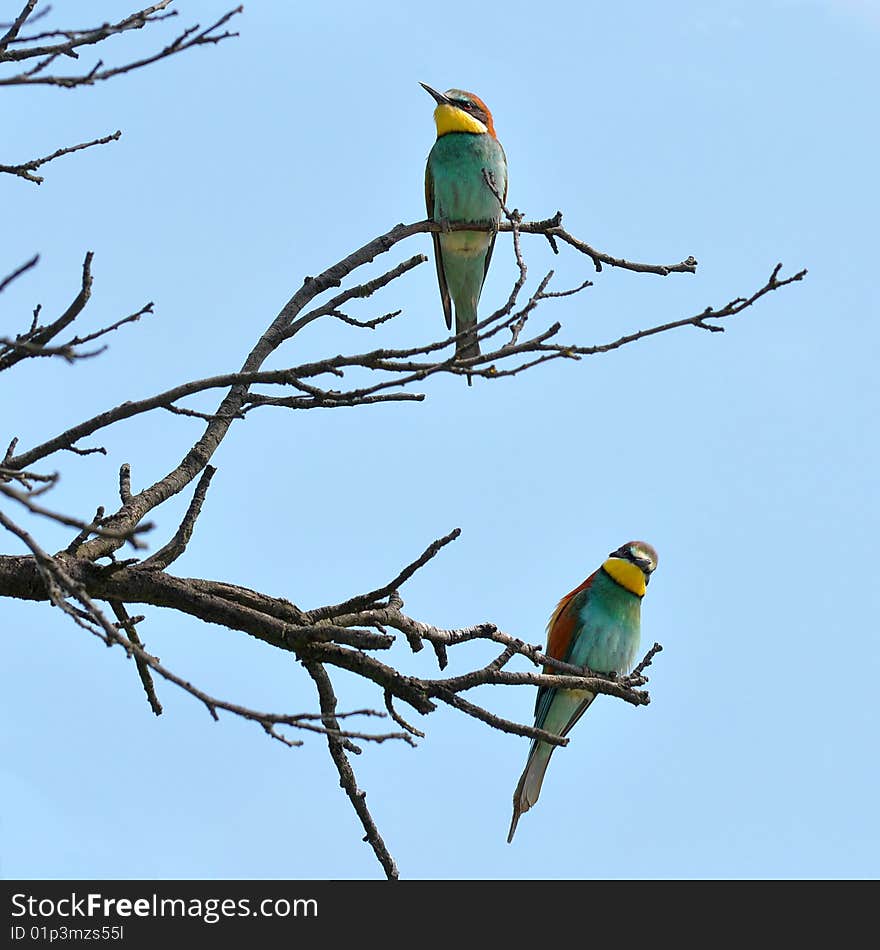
(743, 133)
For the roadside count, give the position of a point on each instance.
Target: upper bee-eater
(597, 625)
(456, 192)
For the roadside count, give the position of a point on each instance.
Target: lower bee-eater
(597, 626)
(456, 192)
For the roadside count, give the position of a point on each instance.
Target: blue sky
(743, 133)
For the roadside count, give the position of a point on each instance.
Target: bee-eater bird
(597, 625)
(456, 192)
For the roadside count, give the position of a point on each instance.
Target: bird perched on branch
(466, 153)
(597, 625)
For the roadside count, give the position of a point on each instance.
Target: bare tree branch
(35, 341)
(18, 272)
(129, 625)
(407, 370)
(347, 779)
(31, 342)
(67, 43)
(61, 585)
(177, 545)
(16, 26)
(374, 596)
(74, 39)
(26, 169)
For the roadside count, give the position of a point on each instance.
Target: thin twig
(363, 600)
(347, 780)
(18, 272)
(26, 169)
(177, 545)
(127, 623)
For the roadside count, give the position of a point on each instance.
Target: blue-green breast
(609, 622)
(456, 164)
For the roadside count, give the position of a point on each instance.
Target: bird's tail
(467, 345)
(529, 786)
(464, 266)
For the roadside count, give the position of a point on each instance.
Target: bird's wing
(584, 706)
(488, 259)
(492, 241)
(561, 626)
(438, 258)
(563, 706)
(560, 632)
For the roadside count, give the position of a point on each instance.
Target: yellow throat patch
(451, 119)
(627, 575)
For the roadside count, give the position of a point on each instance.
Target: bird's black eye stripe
(471, 108)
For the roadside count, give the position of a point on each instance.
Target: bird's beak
(441, 99)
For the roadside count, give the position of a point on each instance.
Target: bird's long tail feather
(466, 346)
(529, 786)
(464, 267)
